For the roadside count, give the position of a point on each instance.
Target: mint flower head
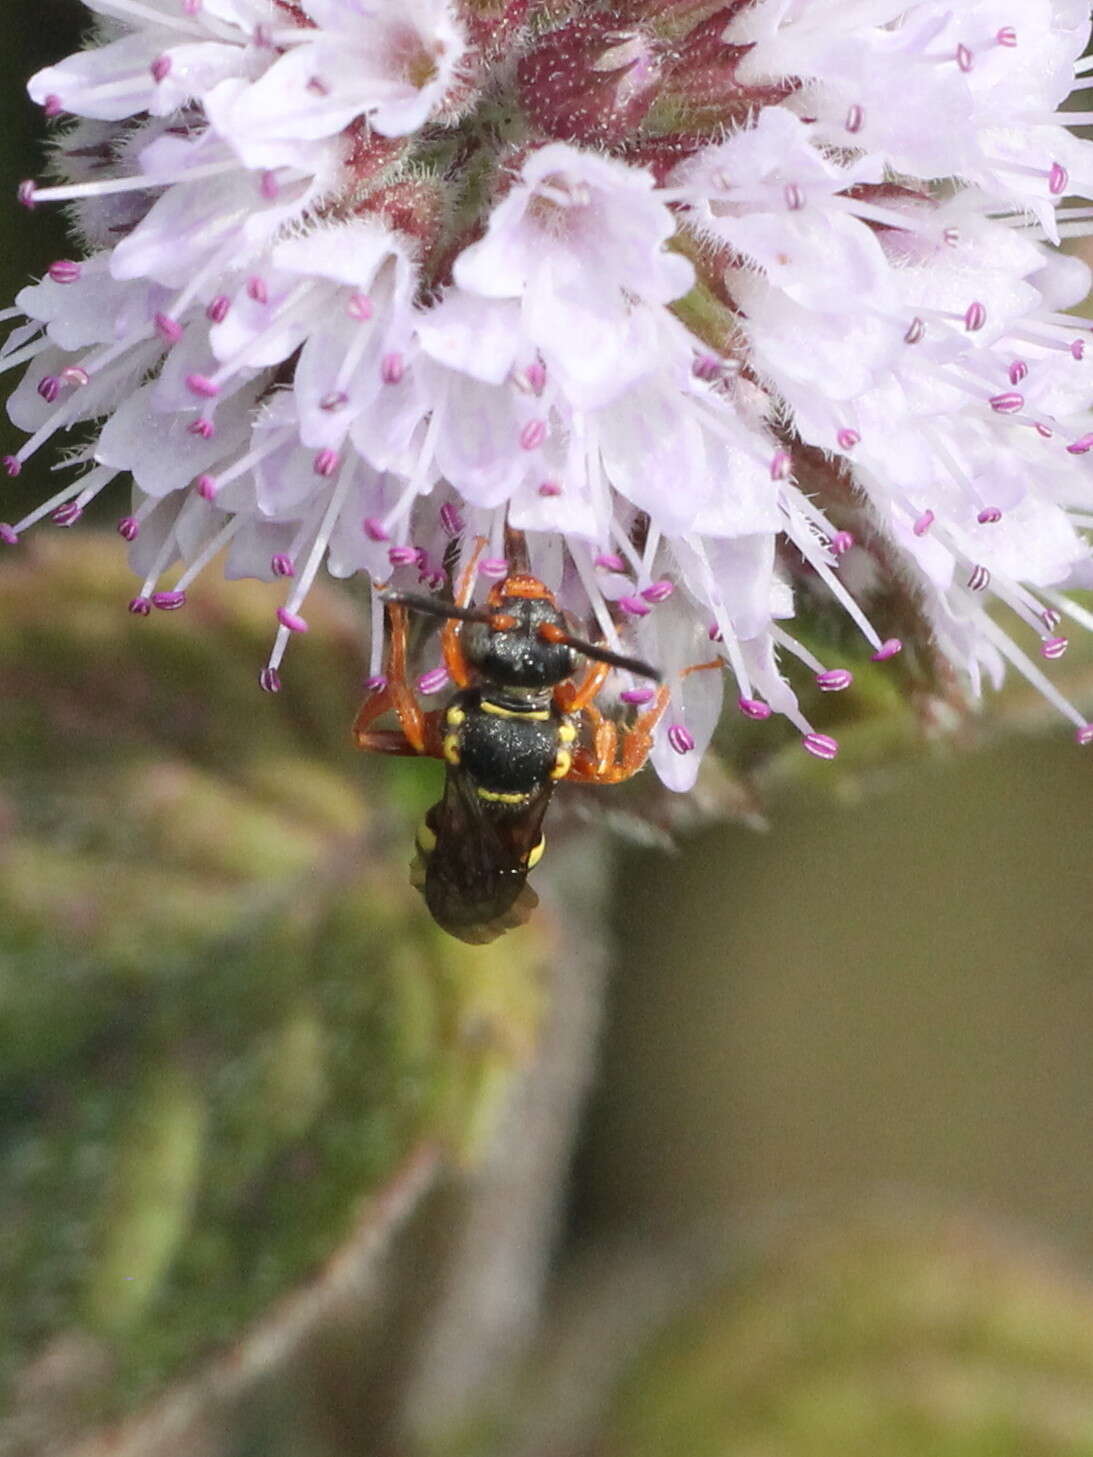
(669, 287)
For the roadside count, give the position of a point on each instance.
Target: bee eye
(535, 854)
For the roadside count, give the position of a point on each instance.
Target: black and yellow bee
(520, 721)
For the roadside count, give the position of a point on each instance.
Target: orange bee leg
(616, 757)
(576, 697)
(450, 646)
(420, 732)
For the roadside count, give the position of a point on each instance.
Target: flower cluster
(369, 281)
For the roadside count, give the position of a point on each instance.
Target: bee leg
(577, 697)
(394, 741)
(451, 647)
(397, 695)
(615, 756)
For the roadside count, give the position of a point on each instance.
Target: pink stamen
(1007, 404)
(376, 684)
(65, 271)
(392, 368)
(494, 567)
(402, 556)
(203, 386)
(203, 427)
(847, 439)
(1050, 618)
(128, 528)
(218, 309)
(835, 680)
(980, 578)
(52, 105)
(1077, 349)
(168, 329)
(160, 68)
(680, 738)
(1007, 36)
(706, 367)
(989, 516)
(1081, 446)
(781, 465)
(634, 606)
(1054, 647)
(795, 198)
(964, 58)
(550, 488)
(257, 290)
(326, 463)
(206, 487)
(67, 515)
(335, 400)
(450, 519)
(821, 746)
(915, 330)
(658, 591)
(374, 529)
(290, 620)
(49, 387)
(282, 565)
(637, 696)
(842, 542)
(8, 535)
(754, 708)
(1045, 432)
(140, 606)
(359, 307)
(168, 601)
(714, 633)
(433, 681)
(73, 374)
(533, 434)
(1084, 735)
(1058, 179)
(975, 316)
(888, 649)
(269, 680)
(12, 465)
(1018, 371)
(610, 562)
(855, 118)
(269, 187)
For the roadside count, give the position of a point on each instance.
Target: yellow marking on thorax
(563, 763)
(542, 714)
(454, 717)
(450, 746)
(496, 798)
(567, 732)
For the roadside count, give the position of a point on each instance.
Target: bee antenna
(617, 660)
(435, 608)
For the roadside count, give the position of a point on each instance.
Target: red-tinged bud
(590, 82)
(699, 90)
(492, 26)
(414, 208)
(370, 154)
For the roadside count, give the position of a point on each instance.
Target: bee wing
(476, 876)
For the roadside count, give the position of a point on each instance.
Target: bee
(523, 718)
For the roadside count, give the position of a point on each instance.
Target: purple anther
(1050, 618)
(658, 591)
(855, 118)
(610, 562)
(975, 316)
(1007, 36)
(8, 534)
(168, 329)
(28, 194)
(206, 487)
(1077, 349)
(335, 400)
(53, 105)
(359, 307)
(140, 606)
(680, 738)
(915, 331)
(781, 465)
(821, 746)
(203, 386)
(1084, 734)
(754, 708)
(376, 684)
(218, 310)
(847, 439)
(402, 556)
(269, 680)
(49, 387)
(168, 601)
(392, 368)
(268, 186)
(433, 681)
(494, 567)
(282, 565)
(534, 378)
(160, 68)
(291, 620)
(533, 434)
(635, 606)
(964, 58)
(989, 516)
(128, 528)
(374, 529)
(842, 542)
(980, 578)
(257, 290)
(795, 198)
(326, 463)
(549, 488)
(637, 696)
(1058, 179)
(707, 367)
(73, 374)
(1018, 371)
(888, 649)
(65, 271)
(67, 515)
(714, 633)
(450, 519)
(835, 680)
(12, 465)
(1053, 647)
(1045, 432)
(203, 427)
(1007, 404)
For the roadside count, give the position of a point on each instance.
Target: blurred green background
(871, 1020)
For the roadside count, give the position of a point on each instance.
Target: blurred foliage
(225, 1018)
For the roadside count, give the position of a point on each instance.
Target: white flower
(349, 300)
